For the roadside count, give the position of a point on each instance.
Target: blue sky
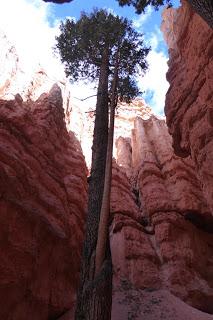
(75, 7)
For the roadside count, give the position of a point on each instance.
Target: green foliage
(140, 5)
(81, 46)
(128, 89)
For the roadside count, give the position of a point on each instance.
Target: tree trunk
(103, 230)
(205, 9)
(94, 296)
(105, 209)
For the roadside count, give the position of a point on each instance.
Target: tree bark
(95, 293)
(103, 234)
(205, 9)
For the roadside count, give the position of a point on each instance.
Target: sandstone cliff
(160, 248)
(161, 234)
(43, 191)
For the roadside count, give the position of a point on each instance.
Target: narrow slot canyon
(161, 206)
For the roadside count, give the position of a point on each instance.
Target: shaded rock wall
(189, 100)
(132, 303)
(43, 198)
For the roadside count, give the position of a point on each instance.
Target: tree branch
(94, 95)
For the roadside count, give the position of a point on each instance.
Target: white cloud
(154, 82)
(110, 11)
(25, 23)
(140, 21)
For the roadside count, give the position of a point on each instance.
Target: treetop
(140, 5)
(82, 45)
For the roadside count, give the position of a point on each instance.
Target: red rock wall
(160, 230)
(161, 234)
(189, 100)
(43, 192)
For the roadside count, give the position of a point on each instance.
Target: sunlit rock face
(30, 82)
(124, 124)
(43, 200)
(17, 77)
(189, 101)
(82, 118)
(9, 64)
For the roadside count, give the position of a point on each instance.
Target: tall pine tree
(103, 47)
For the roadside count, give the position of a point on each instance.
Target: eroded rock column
(189, 100)
(162, 229)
